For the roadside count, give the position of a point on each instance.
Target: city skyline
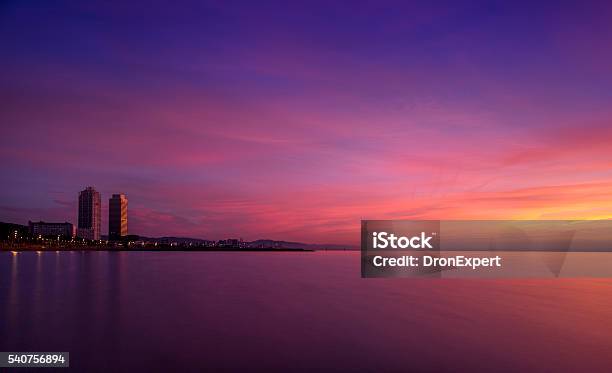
(220, 120)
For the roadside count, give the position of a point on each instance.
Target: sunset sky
(286, 121)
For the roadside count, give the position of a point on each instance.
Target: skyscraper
(89, 214)
(117, 217)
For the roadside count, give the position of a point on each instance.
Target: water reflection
(291, 311)
(12, 290)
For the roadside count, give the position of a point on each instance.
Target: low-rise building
(43, 229)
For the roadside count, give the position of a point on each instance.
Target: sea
(293, 311)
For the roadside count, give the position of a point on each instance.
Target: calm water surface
(164, 312)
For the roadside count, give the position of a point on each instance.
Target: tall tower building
(89, 214)
(117, 217)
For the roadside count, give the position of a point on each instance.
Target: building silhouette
(117, 217)
(89, 214)
(40, 228)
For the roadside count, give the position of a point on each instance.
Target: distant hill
(257, 243)
(300, 245)
(179, 240)
(7, 229)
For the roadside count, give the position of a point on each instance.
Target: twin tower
(90, 211)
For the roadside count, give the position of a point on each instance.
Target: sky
(295, 120)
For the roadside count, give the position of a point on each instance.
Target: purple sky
(295, 121)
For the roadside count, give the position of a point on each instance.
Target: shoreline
(182, 249)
